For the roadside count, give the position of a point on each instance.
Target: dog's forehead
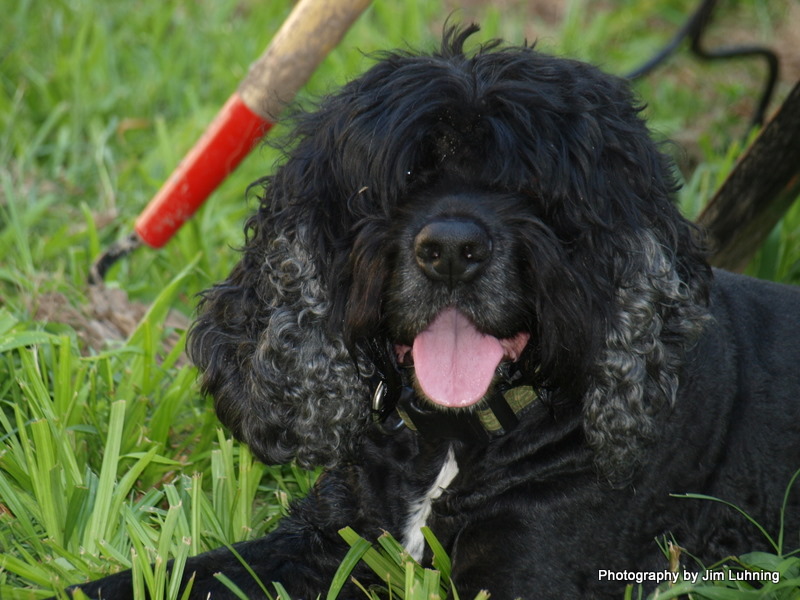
(485, 207)
(455, 203)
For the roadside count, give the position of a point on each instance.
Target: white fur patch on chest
(420, 510)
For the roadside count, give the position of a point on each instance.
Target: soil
(784, 39)
(108, 317)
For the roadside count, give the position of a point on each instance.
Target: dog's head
(458, 212)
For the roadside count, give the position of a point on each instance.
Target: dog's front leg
(276, 557)
(302, 554)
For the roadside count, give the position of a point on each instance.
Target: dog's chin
(455, 365)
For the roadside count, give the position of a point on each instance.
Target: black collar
(395, 405)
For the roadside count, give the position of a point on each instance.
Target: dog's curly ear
(282, 379)
(651, 263)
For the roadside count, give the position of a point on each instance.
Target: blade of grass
(101, 523)
(742, 512)
(249, 570)
(228, 583)
(357, 550)
(441, 560)
(784, 506)
(387, 568)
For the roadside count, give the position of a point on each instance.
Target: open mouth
(454, 363)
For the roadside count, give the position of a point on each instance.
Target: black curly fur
(654, 375)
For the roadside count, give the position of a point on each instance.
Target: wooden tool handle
(307, 36)
(312, 29)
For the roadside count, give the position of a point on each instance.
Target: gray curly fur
(658, 317)
(305, 398)
(323, 394)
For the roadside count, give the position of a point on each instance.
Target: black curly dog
(468, 294)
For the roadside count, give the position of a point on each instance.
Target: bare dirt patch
(109, 316)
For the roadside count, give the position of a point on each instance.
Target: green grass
(109, 456)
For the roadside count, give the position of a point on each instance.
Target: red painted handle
(229, 138)
(305, 38)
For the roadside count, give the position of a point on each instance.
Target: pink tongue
(455, 363)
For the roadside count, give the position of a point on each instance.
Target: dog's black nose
(452, 249)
